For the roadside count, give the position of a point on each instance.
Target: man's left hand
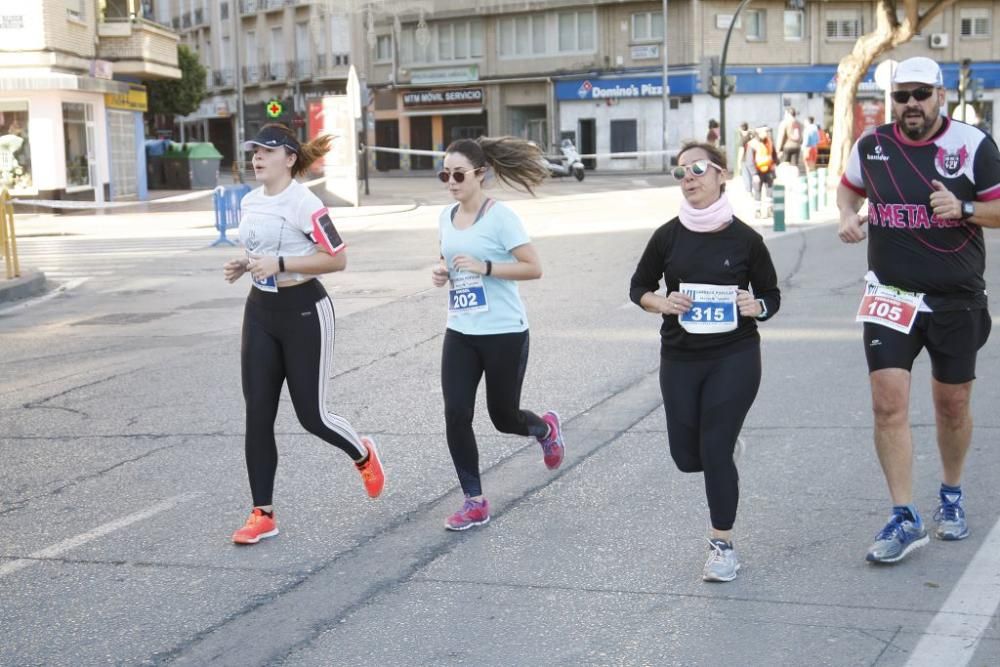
(944, 203)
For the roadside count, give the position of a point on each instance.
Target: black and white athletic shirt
(908, 247)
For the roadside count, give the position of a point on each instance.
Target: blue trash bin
(227, 200)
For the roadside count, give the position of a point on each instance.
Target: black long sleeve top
(735, 255)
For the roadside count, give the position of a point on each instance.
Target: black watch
(968, 209)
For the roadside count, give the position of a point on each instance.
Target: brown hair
(515, 161)
(715, 154)
(308, 152)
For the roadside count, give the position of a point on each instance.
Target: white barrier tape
(173, 199)
(417, 151)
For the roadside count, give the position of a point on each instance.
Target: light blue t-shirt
(482, 305)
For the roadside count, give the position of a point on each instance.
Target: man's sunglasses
(699, 168)
(459, 176)
(919, 94)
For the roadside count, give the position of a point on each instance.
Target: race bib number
(267, 284)
(467, 294)
(889, 306)
(713, 310)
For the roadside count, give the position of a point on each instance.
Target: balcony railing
(276, 71)
(223, 78)
(303, 68)
(139, 48)
(251, 74)
(250, 6)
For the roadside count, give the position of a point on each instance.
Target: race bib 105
(889, 306)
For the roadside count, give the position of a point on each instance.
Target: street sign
(274, 109)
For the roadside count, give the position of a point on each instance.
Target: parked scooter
(568, 163)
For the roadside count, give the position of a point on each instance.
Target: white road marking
(73, 542)
(953, 634)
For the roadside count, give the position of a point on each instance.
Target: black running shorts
(952, 339)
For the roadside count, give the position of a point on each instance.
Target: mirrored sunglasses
(919, 94)
(699, 168)
(459, 176)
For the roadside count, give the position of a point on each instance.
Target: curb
(30, 283)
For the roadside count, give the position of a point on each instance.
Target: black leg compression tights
(288, 335)
(706, 403)
(503, 358)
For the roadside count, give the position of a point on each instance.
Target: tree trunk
(889, 33)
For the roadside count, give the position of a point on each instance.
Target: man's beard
(916, 133)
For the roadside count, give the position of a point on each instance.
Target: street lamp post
(723, 88)
(666, 91)
(240, 129)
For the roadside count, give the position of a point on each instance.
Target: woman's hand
(262, 268)
(439, 274)
(676, 303)
(234, 269)
(748, 305)
(468, 264)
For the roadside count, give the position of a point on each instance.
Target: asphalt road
(122, 477)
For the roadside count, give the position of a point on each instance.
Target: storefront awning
(59, 81)
(450, 111)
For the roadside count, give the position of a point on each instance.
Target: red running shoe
(257, 527)
(371, 470)
(553, 447)
(473, 513)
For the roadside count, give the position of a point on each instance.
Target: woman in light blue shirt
(484, 252)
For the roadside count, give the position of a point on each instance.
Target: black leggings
(706, 403)
(503, 357)
(288, 335)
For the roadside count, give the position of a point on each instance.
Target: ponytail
(306, 153)
(516, 162)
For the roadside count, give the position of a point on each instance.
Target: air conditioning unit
(939, 40)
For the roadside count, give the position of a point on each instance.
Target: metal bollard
(801, 199)
(821, 178)
(8, 237)
(779, 207)
(813, 193)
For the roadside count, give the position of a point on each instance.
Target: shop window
(624, 136)
(78, 135)
(756, 25)
(15, 150)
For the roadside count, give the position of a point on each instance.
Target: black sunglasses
(919, 94)
(459, 176)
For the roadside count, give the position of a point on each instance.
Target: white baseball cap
(918, 70)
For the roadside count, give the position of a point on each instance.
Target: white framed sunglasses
(697, 168)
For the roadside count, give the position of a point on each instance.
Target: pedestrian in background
(810, 144)
(484, 253)
(288, 322)
(720, 282)
(762, 158)
(744, 135)
(790, 138)
(713, 132)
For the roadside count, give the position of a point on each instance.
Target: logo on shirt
(878, 155)
(951, 164)
(726, 263)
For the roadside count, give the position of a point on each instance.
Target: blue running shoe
(951, 518)
(899, 537)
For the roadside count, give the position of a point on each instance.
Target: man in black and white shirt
(932, 184)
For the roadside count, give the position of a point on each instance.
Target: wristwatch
(968, 209)
(763, 310)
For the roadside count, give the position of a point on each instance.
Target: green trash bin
(191, 166)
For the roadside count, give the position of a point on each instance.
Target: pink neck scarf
(709, 219)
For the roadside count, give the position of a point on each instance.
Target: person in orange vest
(762, 159)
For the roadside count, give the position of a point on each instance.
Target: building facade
(284, 55)
(72, 99)
(593, 71)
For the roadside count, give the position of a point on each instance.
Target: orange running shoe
(257, 527)
(371, 470)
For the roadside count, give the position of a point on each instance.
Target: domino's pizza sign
(585, 89)
(622, 88)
